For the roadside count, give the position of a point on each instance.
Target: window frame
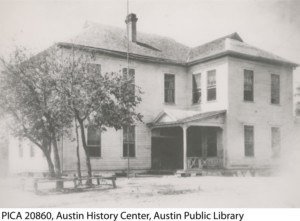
(125, 142)
(165, 89)
(252, 89)
(94, 146)
(275, 149)
(209, 87)
(196, 88)
(131, 74)
(272, 89)
(246, 153)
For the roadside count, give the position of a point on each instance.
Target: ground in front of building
(166, 191)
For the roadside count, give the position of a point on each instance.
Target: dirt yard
(166, 191)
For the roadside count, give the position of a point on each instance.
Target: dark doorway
(167, 148)
(194, 142)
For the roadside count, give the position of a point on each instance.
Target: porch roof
(175, 117)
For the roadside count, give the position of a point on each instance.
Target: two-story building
(223, 104)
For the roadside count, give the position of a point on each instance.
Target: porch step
(189, 172)
(161, 172)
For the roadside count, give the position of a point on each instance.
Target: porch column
(184, 128)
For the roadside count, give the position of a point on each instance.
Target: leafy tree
(96, 99)
(44, 94)
(28, 96)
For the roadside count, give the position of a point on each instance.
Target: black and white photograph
(150, 104)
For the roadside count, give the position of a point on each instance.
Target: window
(129, 141)
(32, 153)
(212, 142)
(275, 89)
(20, 148)
(211, 85)
(248, 85)
(249, 141)
(93, 68)
(196, 88)
(170, 88)
(275, 142)
(94, 141)
(131, 77)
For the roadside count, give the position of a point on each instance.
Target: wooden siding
(150, 77)
(221, 102)
(260, 113)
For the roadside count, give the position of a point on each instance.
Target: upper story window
(275, 89)
(211, 85)
(94, 68)
(275, 133)
(249, 140)
(131, 78)
(170, 88)
(196, 88)
(94, 141)
(248, 85)
(129, 141)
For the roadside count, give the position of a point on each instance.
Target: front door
(167, 150)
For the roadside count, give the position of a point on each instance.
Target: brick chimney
(131, 26)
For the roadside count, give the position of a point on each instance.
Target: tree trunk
(56, 159)
(59, 185)
(46, 149)
(50, 163)
(87, 155)
(77, 153)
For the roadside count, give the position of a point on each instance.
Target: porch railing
(194, 162)
(199, 162)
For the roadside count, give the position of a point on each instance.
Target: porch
(187, 140)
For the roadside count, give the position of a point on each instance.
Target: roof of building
(115, 39)
(164, 49)
(175, 116)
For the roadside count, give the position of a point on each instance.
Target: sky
(271, 25)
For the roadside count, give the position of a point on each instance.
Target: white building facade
(224, 104)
